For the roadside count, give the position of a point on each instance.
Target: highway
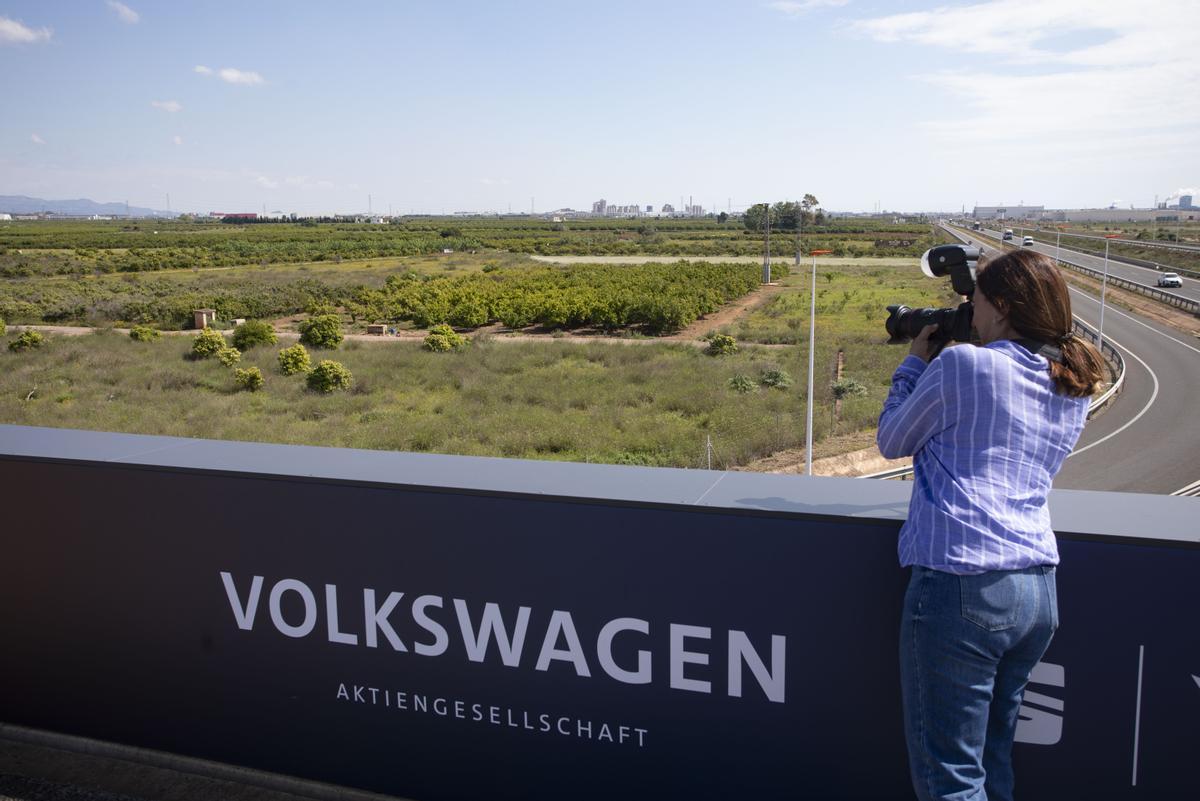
(1148, 439)
(1130, 272)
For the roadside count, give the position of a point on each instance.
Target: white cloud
(797, 8)
(13, 32)
(494, 181)
(124, 12)
(167, 105)
(177, 140)
(1067, 76)
(265, 182)
(231, 75)
(37, 140)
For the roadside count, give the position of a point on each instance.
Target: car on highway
(1007, 233)
(1027, 242)
(1170, 279)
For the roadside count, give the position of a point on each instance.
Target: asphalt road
(1130, 272)
(1148, 439)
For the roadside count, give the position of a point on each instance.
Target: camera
(957, 261)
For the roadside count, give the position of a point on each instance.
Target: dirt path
(728, 314)
(852, 454)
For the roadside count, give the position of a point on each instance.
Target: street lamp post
(1103, 287)
(767, 247)
(812, 355)
(799, 225)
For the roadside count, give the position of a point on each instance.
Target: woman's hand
(922, 348)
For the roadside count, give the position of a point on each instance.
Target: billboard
(457, 644)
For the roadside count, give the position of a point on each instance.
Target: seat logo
(1040, 719)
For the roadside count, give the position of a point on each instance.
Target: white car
(1027, 242)
(1170, 279)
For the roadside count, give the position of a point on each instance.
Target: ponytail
(1082, 368)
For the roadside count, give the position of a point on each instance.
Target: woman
(988, 428)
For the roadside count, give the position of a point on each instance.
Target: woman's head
(1026, 289)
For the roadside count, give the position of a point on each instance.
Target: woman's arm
(913, 411)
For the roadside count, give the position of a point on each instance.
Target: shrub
(443, 338)
(294, 360)
(322, 331)
(143, 333)
(229, 356)
(3, 327)
(742, 384)
(720, 345)
(846, 387)
(329, 375)
(779, 379)
(250, 379)
(253, 332)
(27, 340)
(208, 342)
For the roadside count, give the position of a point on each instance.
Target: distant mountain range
(20, 204)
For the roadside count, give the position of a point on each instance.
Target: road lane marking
(1136, 417)
(1190, 489)
(1110, 308)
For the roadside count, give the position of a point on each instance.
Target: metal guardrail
(1170, 298)
(1147, 263)
(1154, 293)
(1111, 356)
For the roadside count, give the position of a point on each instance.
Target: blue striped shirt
(988, 433)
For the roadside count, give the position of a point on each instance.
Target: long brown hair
(1026, 287)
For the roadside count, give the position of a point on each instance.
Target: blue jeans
(967, 646)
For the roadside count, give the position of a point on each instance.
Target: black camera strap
(1051, 352)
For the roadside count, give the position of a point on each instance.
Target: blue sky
(464, 105)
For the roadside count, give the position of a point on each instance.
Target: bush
(294, 360)
(779, 379)
(742, 384)
(143, 333)
(847, 387)
(720, 345)
(322, 331)
(250, 379)
(253, 332)
(208, 342)
(229, 356)
(442, 338)
(3, 327)
(329, 375)
(27, 340)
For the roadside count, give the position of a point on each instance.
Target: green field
(31, 249)
(652, 404)
(615, 400)
(636, 402)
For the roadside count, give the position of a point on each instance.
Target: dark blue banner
(455, 645)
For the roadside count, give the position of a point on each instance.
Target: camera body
(957, 261)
